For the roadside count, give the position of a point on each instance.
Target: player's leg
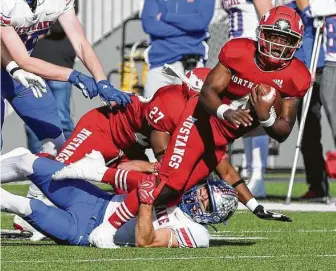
(312, 150)
(53, 222)
(259, 163)
(40, 170)
(92, 132)
(328, 95)
(156, 80)
(62, 95)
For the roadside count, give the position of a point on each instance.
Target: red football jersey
(127, 124)
(238, 55)
(165, 108)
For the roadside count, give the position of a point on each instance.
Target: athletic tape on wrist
(12, 67)
(221, 110)
(268, 123)
(252, 204)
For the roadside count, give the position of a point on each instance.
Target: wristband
(252, 204)
(267, 123)
(238, 183)
(221, 110)
(12, 67)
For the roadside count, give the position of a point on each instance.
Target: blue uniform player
(28, 20)
(22, 23)
(83, 206)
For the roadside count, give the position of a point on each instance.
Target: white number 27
(155, 114)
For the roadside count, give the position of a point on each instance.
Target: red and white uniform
(189, 233)
(30, 25)
(113, 133)
(166, 107)
(200, 141)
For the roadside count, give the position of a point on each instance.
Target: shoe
(23, 226)
(91, 168)
(313, 196)
(103, 236)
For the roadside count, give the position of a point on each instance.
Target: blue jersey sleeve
(155, 27)
(198, 21)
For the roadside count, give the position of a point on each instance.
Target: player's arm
(262, 6)
(74, 31)
(280, 128)
(302, 4)
(147, 236)
(25, 78)
(20, 55)
(152, 24)
(215, 85)
(159, 142)
(83, 48)
(227, 172)
(195, 21)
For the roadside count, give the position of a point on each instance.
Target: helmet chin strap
(267, 66)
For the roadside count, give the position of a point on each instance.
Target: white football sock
(15, 204)
(248, 154)
(16, 165)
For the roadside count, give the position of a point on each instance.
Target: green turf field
(246, 243)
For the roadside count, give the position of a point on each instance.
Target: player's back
(165, 108)
(127, 124)
(238, 55)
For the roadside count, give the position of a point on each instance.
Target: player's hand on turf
(36, 83)
(261, 106)
(109, 93)
(146, 189)
(85, 83)
(268, 215)
(239, 117)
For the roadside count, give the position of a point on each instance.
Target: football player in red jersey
(222, 115)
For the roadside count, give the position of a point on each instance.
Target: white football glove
(103, 236)
(27, 79)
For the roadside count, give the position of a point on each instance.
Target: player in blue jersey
(22, 23)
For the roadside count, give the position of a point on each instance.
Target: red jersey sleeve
(234, 50)
(302, 80)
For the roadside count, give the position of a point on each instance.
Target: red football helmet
(279, 34)
(196, 78)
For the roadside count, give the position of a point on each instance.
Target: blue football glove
(109, 93)
(85, 83)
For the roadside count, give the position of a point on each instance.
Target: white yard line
(224, 238)
(277, 231)
(235, 257)
(296, 207)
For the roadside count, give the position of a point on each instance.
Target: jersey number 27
(156, 114)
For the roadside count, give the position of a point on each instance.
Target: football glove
(27, 79)
(85, 83)
(109, 93)
(146, 189)
(260, 212)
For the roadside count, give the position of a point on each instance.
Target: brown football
(268, 93)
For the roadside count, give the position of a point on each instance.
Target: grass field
(246, 243)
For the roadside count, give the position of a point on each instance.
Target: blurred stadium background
(114, 28)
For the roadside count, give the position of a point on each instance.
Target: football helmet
(196, 78)
(221, 202)
(279, 35)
